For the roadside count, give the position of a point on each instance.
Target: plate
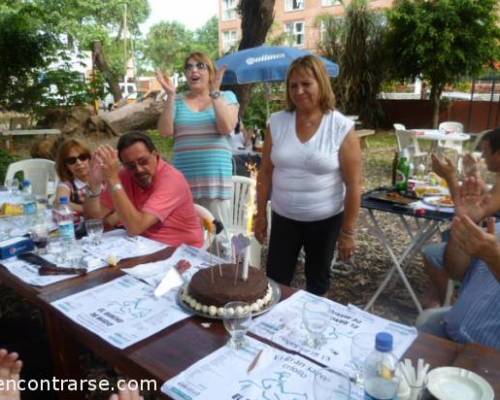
(452, 383)
(276, 296)
(438, 201)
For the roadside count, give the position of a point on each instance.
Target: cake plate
(275, 298)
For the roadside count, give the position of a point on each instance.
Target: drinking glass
(56, 250)
(331, 385)
(361, 346)
(40, 236)
(237, 320)
(316, 317)
(94, 228)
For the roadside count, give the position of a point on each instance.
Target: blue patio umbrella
(264, 64)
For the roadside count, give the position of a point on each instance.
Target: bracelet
(116, 187)
(91, 194)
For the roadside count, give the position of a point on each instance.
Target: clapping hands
(472, 200)
(166, 83)
(104, 165)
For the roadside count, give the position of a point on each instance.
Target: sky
(192, 13)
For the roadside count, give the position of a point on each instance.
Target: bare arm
(351, 168)
(226, 115)
(446, 169)
(476, 242)
(264, 185)
(63, 190)
(166, 121)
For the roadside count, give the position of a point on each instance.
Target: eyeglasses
(72, 160)
(141, 162)
(199, 66)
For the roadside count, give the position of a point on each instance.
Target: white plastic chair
(243, 189)
(406, 140)
(452, 127)
(207, 223)
(39, 171)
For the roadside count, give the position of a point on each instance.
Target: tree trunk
(254, 13)
(436, 99)
(100, 63)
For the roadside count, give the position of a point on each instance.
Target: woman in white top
(311, 171)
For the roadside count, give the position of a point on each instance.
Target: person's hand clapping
(472, 199)
(219, 75)
(445, 168)
(470, 165)
(110, 163)
(475, 241)
(166, 83)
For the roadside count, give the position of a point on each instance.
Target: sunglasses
(141, 162)
(199, 66)
(81, 157)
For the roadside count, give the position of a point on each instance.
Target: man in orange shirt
(147, 195)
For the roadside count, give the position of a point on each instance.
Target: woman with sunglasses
(73, 168)
(201, 121)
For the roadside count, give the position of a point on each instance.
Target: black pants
(318, 239)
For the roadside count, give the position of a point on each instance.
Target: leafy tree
(442, 40)
(356, 43)
(167, 44)
(207, 38)
(24, 50)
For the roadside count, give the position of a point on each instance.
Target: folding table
(427, 225)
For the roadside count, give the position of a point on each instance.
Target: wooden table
(174, 349)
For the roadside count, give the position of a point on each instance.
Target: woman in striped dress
(201, 121)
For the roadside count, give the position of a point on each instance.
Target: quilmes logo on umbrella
(264, 58)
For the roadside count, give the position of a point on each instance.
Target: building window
(229, 9)
(294, 5)
(229, 40)
(328, 3)
(295, 30)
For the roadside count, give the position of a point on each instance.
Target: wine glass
(237, 320)
(94, 228)
(331, 385)
(361, 346)
(40, 236)
(316, 317)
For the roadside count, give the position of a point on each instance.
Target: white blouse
(307, 182)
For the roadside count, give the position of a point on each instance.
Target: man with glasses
(146, 195)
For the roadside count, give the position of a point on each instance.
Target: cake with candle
(211, 288)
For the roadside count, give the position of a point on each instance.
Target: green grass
(164, 145)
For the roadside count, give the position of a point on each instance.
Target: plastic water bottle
(29, 201)
(66, 226)
(379, 373)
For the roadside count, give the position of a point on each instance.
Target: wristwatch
(116, 187)
(91, 194)
(214, 94)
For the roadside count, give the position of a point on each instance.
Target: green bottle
(402, 172)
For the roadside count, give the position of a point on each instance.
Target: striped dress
(201, 153)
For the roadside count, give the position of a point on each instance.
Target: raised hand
(472, 199)
(470, 165)
(166, 83)
(445, 168)
(475, 241)
(110, 163)
(219, 75)
(10, 368)
(96, 173)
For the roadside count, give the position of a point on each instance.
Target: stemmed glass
(361, 346)
(237, 319)
(331, 385)
(316, 317)
(94, 228)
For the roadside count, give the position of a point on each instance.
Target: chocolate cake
(209, 296)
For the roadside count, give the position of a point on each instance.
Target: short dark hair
(132, 137)
(493, 138)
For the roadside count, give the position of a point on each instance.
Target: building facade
(296, 18)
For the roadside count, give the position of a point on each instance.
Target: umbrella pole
(266, 90)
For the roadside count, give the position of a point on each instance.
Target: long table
(167, 353)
